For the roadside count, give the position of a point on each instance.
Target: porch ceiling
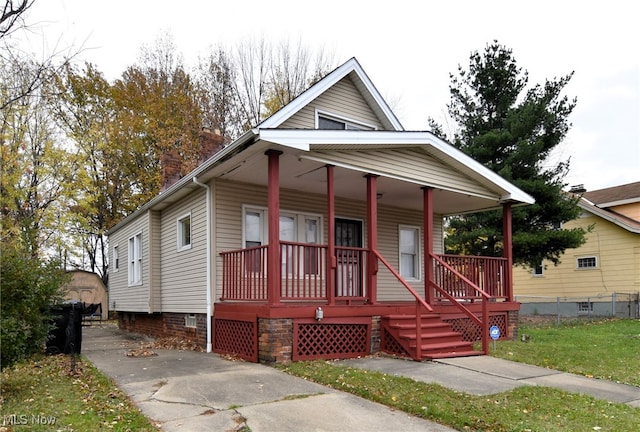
(309, 177)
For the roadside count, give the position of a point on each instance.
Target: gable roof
(622, 221)
(362, 82)
(257, 140)
(613, 196)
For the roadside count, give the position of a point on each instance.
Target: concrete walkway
(187, 390)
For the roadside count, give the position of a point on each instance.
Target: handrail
(419, 302)
(402, 281)
(484, 324)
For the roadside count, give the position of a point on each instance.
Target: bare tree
(12, 15)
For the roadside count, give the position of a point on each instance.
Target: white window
(254, 227)
(409, 252)
(135, 260)
(294, 228)
(190, 321)
(589, 262)
(116, 259)
(538, 270)
(300, 228)
(585, 307)
(184, 232)
(334, 122)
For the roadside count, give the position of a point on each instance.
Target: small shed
(87, 287)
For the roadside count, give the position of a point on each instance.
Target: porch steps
(438, 340)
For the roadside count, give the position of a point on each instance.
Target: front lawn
(608, 349)
(47, 394)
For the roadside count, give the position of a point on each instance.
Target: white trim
(417, 259)
(326, 83)
(586, 257)
(340, 118)
(180, 232)
(304, 139)
(134, 260)
(115, 251)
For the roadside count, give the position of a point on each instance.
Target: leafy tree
(512, 132)
(28, 287)
(35, 169)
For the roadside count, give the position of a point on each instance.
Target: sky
(408, 48)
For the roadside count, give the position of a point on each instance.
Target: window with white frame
(589, 262)
(184, 232)
(538, 270)
(334, 122)
(135, 259)
(294, 228)
(116, 259)
(190, 321)
(409, 249)
(300, 228)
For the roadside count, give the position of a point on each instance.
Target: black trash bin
(66, 335)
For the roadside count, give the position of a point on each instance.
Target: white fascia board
(304, 139)
(186, 180)
(606, 215)
(323, 85)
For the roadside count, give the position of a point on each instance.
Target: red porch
(295, 301)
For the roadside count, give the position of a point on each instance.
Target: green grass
(46, 390)
(607, 349)
(522, 409)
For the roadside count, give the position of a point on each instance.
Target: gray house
(318, 234)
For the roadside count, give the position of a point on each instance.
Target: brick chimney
(211, 142)
(171, 164)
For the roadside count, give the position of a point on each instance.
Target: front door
(350, 261)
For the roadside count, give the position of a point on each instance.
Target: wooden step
(439, 336)
(443, 346)
(453, 354)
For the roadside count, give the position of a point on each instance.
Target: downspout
(208, 217)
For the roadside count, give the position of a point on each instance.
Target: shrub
(29, 286)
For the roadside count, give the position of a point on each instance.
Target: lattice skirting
(390, 345)
(327, 340)
(471, 332)
(236, 338)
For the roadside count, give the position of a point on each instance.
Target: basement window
(190, 321)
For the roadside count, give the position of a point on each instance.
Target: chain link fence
(618, 305)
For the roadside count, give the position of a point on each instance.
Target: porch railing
(474, 291)
(304, 273)
(486, 273)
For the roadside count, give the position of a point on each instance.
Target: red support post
(427, 234)
(507, 239)
(372, 237)
(332, 262)
(274, 277)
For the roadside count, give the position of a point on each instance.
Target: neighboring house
(312, 236)
(588, 276)
(87, 287)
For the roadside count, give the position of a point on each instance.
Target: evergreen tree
(512, 131)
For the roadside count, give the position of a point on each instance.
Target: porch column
(507, 241)
(427, 234)
(274, 278)
(331, 241)
(372, 237)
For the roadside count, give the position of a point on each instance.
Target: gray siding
(122, 296)
(230, 197)
(407, 163)
(184, 273)
(343, 99)
(154, 262)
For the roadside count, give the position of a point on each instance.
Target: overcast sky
(408, 49)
